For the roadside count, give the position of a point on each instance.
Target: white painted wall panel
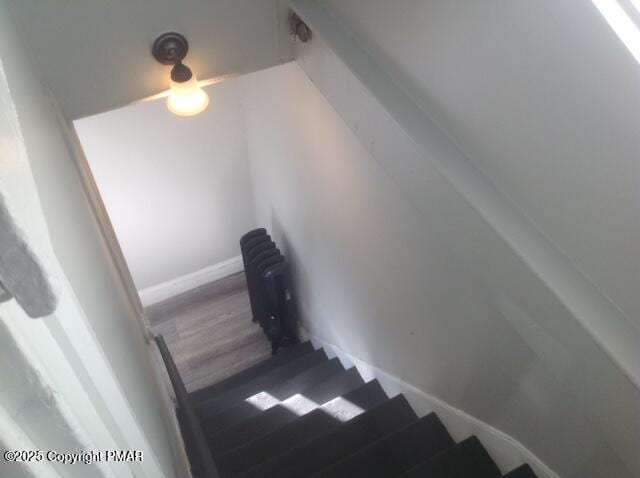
(543, 97)
(418, 284)
(96, 327)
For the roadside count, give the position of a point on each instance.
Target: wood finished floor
(209, 331)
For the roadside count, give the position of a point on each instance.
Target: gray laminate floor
(209, 331)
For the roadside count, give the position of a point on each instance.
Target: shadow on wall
(21, 274)
(299, 278)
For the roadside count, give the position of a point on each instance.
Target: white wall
(419, 285)
(542, 96)
(177, 189)
(96, 328)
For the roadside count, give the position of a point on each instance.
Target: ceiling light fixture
(186, 98)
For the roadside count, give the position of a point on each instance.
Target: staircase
(301, 414)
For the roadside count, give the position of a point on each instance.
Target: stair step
(395, 452)
(467, 458)
(367, 396)
(293, 434)
(214, 405)
(240, 435)
(304, 460)
(305, 380)
(308, 380)
(335, 386)
(240, 460)
(284, 355)
(259, 423)
(523, 471)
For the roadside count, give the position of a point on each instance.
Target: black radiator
(268, 282)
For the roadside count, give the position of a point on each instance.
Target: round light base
(169, 48)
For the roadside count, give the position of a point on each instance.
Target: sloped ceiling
(95, 54)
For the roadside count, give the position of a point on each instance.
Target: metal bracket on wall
(170, 48)
(298, 29)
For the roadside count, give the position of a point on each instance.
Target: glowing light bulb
(186, 97)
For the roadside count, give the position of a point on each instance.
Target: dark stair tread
(257, 423)
(259, 426)
(523, 471)
(295, 433)
(239, 460)
(302, 461)
(302, 383)
(368, 395)
(468, 458)
(220, 402)
(285, 355)
(305, 380)
(335, 386)
(395, 452)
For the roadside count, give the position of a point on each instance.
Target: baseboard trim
(507, 452)
(166, 290)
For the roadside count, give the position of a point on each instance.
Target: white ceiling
(95, 54)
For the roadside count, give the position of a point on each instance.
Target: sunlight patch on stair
(342, 409)
(339, 408)
(299, 404)
(263, 401)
